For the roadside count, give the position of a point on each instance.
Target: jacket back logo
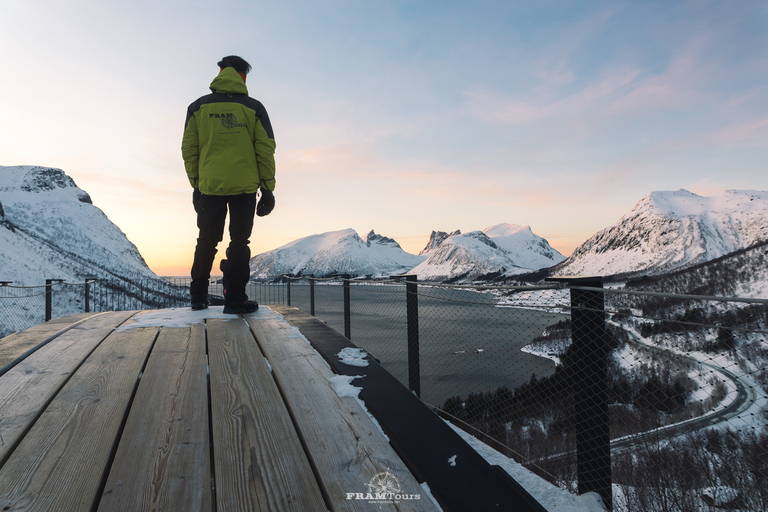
(228, 120)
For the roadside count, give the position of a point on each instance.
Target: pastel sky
(402, 116)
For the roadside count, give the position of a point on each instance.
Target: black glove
(266, 203)
(196, 198)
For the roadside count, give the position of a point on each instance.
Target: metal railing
(22, 307)
(655, 401)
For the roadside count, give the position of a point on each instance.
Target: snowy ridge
(506, 249)
(666, 231)
(498, 251)
(335, 252)
(49, 229)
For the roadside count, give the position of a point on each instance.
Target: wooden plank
(347, 449)
(27, 387)
(15, 345)
(60, 463)
(260, 464)
(162, 461)
(423, 440)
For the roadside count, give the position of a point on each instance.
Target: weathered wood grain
(347, 449)
(15, 345)
(27, 387)
(60, 463)
(163, 459)
(260, 464)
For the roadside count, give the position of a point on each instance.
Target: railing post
(414, 358)
(347, 313)
(88, 281)
(412, 327)
(311, 294)
(287, 279)
(590, 381)
(48, 294)
(87, 296)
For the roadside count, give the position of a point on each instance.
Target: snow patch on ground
(546, 355)
(353, 357)
(179, 317)
(549, 496)
(342, 384)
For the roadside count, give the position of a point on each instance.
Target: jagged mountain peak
(437, 238)
(373, 238)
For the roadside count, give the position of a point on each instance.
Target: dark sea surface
(467, 342)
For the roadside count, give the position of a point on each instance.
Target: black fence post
(287, 279)
(590, 381)
(412, 309)
(48, 296)
(87, 296)
(311, 294)
(347, 313)
(88, 281)
(412, 327)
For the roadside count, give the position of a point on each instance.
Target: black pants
(211, 215)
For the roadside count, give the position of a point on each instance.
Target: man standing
(229, 155)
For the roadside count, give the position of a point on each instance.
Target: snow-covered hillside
(743, 273)
(666, 231)
(527, 249)
(498, 251)
(335, 252)
(49, 229)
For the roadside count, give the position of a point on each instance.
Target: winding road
(745, 398)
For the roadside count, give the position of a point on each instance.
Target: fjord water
(468, 343)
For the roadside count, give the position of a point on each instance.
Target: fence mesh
(22, 307)
(681, 382)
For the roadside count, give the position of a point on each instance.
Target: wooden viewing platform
(129, 411)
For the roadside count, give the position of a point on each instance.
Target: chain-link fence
(656, 401)
(22, 307)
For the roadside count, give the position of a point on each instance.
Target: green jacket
(228, 145)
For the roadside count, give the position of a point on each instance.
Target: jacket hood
(228, 81)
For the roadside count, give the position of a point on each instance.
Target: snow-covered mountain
(527, 249)
(498, 251)
(666, 231)
(335, 252)
(49, 229)
(508, 249)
